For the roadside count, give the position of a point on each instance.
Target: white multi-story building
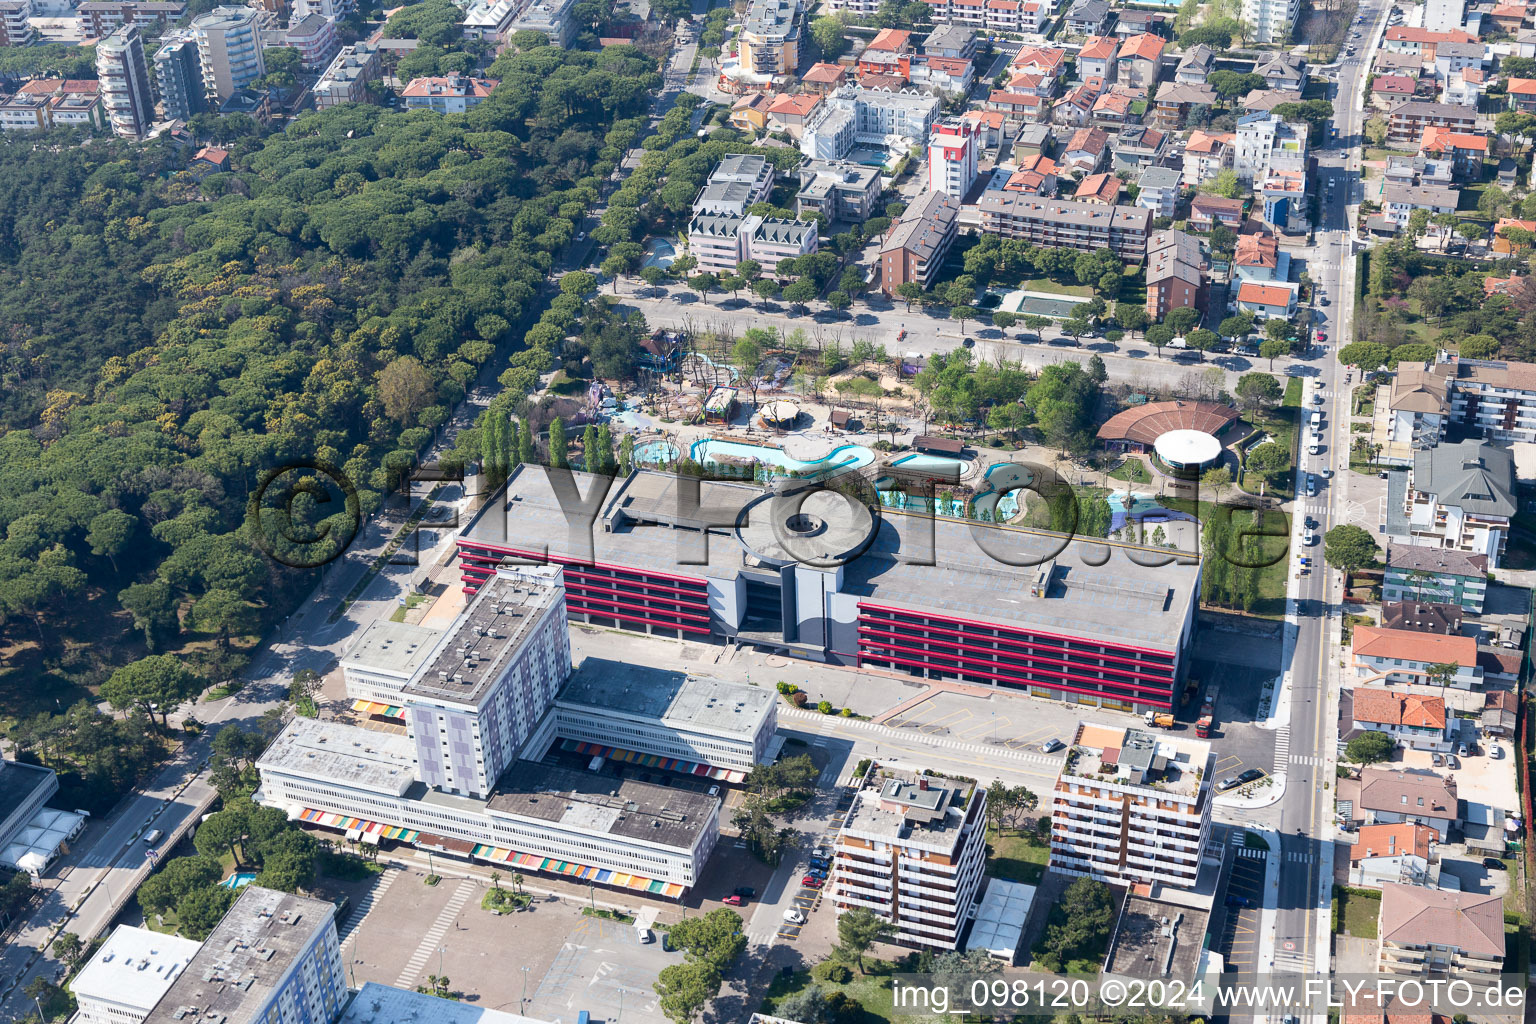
(124, 75)
(708, 727)
(1448, 934)
(551, 17)
(1266, 145)
(229, 49)
(179, 75)
(449, 94)
(1405, 852)
(828, 135)
(1445, 15)
(1458, 496)
(489, 19)
(476, 699)
(615, 832)
(719, 241)
(15, 26)
(274, 956)
(1132, 807)
(346, 80)
(333, 9)
(887, 118)
(315, 39)
(1270, 20)
(378, 667)
(128, 975)
(753, 172)
(770, 37)
(952, 157)
(913, 851)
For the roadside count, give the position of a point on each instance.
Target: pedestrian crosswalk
(1299, 857)
(365, 905)
(1288, 961)
(431, 940)
(1251, 852)
(1307, 759)
(1282, 747)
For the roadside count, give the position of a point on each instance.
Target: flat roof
(385, 1004)
(1153, 939)
(1187, 447)
(902, 810)
(1131, 756)
(134, 966)
(1000, 918)
(474, 652)
(348, 754)
(600, 803)
(1137, 597)
(683, 701)
(398, 647)
(20, 782)
(246, 955)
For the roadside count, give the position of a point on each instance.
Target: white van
(1178, 343)
(1316, 420)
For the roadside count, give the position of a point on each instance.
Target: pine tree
(525, 454)
(626, 454)
(605, 449)
(557, 450)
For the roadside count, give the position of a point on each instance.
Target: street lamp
(524, 1001)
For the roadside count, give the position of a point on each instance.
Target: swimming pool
(660, 253)
(656, 452)
(239, 880)
(843, 457)
(936, 463)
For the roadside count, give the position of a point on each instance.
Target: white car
(794, 916)
(153, 836)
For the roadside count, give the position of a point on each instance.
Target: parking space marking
(1231, 759)
(938, 723)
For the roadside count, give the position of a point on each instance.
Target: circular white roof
(1187, 447)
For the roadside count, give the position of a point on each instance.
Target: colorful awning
(581, 872)
(670, 764)
(371, 707)
(361, 825)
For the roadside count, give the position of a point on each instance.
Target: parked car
(794, 916)
(812, 882)
(1051, 746)
(1235, 900)
(745, 890)
(1496, 752)
(1437, 760)
(1251, 775)
(1493, 863)
(1461, 748)
(733, 901)
(647, 936)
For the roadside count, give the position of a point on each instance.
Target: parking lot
(1238, 742)
(1480, 777)
(1237, 933)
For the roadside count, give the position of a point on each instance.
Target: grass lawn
(871, 991)
(1517, 947)
(1016, 859)
(411, 601)
(1133, 471)
(1359, 913)
(560, 384)
(1292, 399)
(1046, 284)
(1273, 549)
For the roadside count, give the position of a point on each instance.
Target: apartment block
(128, 975)
(1408, 120)
(915, 247)
(1450, 934)
(1068, 224)
(952, 157)
(474, 703)
(1407, 853)
(45, 103)
(347, 78)
(721, 240)
(840, 190)
(829, 134)
(126, 98)
(1494, 399)
(1206, 155)
(913, 851)
(1420, 573)
(1390, 656)
(315, 39)
(15, 29)
(229, 50)
(1415, 721)
(273, 957)
(1460, 497)
(1270, 20)
(551, 17)
(1132, 807)
(752, 172)
(1176, 273)
(99, 17)
(179, 75)
(489, 19)
(770, 37)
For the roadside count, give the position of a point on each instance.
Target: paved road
(881, 322)
(1302, 921)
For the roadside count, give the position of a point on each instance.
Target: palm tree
(495, 880)
(517, 882)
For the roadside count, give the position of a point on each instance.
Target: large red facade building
(825, 578)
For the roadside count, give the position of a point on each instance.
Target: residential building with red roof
(1098, 188)
(1139, 60)
(450, 94)
(1404, 852)
(1465, 150)
(1112, 109)
(1387, 91)
(823, 78)
(1018, 106)
(1404, 656)
(1266, 300)
(1457, 935)
(750, 113)
(1420, 42)
(1097, 58)
(791, 110)
(1522, 94)
(1205, 211)
(892, 40)
(1413, 720)
(1206, 155)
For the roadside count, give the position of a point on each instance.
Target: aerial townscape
(732, 511)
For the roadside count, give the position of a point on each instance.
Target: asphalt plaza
(1239, 932)
(1019, 724)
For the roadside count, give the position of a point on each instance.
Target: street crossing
(434, 936)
